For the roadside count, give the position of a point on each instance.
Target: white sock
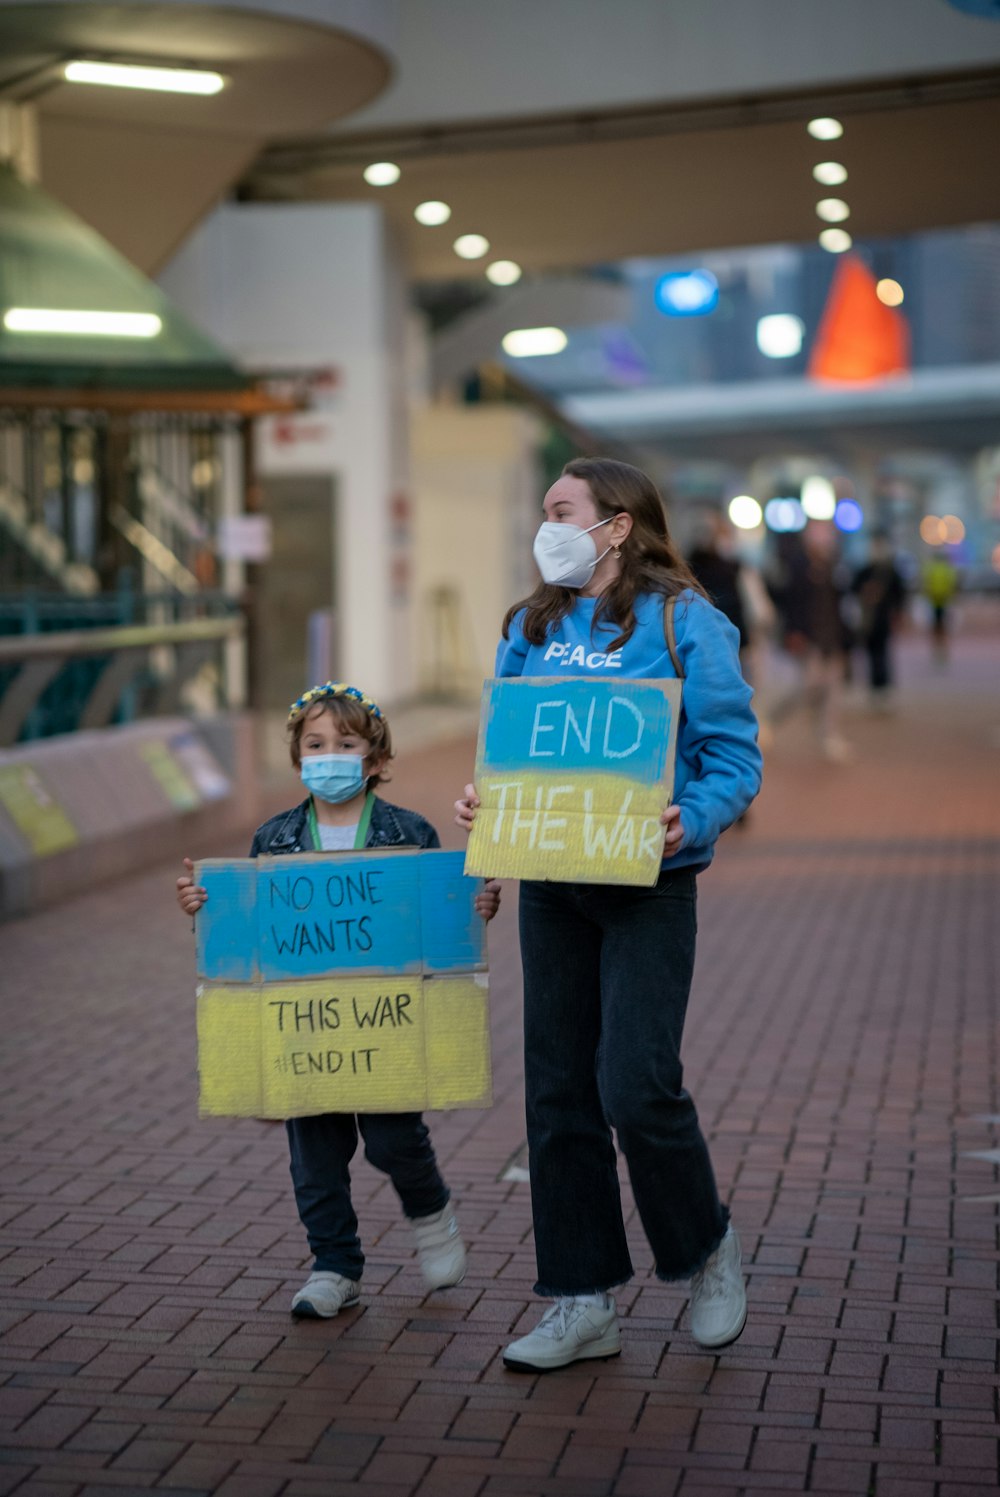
(600, 1299)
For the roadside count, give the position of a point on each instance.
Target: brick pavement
(842, 1046)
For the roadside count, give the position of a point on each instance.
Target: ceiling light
(830, 173)
(784, 516)
(819, 498)
(432, 213)
(835, 240)
(832, 210)
(530, 342)
(161, 80)
(954, 530)
(82, 324)
(745, 512)
(687, 293)
(825, 128)
(503, 272)
(381, 174)
(780, 335)
(471, 246)
(890, 292)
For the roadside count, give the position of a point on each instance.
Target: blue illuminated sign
(687, 293)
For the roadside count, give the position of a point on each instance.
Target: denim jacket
(390, 826)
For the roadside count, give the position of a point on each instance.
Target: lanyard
(361, 836)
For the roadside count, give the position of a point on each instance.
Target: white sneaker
(718, 1296)
(569, 1331)
(324, 1294)
(440, 1249)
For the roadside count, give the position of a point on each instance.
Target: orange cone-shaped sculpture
(859, 338)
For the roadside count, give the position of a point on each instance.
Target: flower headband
(333, 689)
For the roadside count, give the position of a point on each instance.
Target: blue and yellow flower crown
(333, 689)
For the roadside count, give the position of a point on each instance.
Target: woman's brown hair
(650, 561)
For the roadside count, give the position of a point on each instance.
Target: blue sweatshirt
(718, 761)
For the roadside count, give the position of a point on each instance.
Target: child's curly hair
(352, 711)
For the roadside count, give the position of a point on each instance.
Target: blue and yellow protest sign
(572, 776)
(341, 983)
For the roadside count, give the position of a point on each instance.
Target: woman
(607, 968)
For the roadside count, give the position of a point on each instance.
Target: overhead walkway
(842, 1047)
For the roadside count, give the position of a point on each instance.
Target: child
(340, 745)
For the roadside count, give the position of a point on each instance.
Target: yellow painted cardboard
(344, 1044)
(545, 813)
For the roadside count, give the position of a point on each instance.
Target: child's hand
(190, 896)
(673, 841)
(487, 901)
(465, 809)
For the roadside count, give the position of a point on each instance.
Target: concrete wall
(84, 808)
(310, 287)
(478, 504)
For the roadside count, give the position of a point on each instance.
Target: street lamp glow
(835, 240)
(160, 80)
(82, 324)
(432, 213)
(745, 512)
(780, 335)
(381, 174)
(819, 498)
(830, 173)
(532, 342)
(825, 128)
(503, 272)
(471, 246)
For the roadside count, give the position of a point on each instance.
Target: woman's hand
(671, 819)
(190, 896)
(487, 901)
(465, 809)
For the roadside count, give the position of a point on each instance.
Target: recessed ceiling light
(503, 272)
(825, 128)
(830, 173)
(471, 246)
(835, 240)
(82, 324)
(531, 342)
(432, 213)
(160, 80)
(832, 210)
(381, 174)
(890, 292)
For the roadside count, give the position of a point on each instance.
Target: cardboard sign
(38, 816)
(344, 982)
(572, 775)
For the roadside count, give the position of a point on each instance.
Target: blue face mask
(334, 777)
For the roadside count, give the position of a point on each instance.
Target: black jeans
(322, 1148)
(607, 973)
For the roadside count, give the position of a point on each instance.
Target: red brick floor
(843, 1049)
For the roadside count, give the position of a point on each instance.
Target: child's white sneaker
(440, 1249)
(323, 1295)
(569, 1331)
(719, 1296)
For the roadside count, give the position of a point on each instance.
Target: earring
(616, 552)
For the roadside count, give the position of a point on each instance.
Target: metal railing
(168, 657)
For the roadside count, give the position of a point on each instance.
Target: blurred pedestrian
(607, 968)
(880, 592)
(808, 584)
(940, 584)
(340, 746)
(716, 566)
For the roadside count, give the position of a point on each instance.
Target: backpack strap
(670, 636)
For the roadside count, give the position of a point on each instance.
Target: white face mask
(565, 555)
